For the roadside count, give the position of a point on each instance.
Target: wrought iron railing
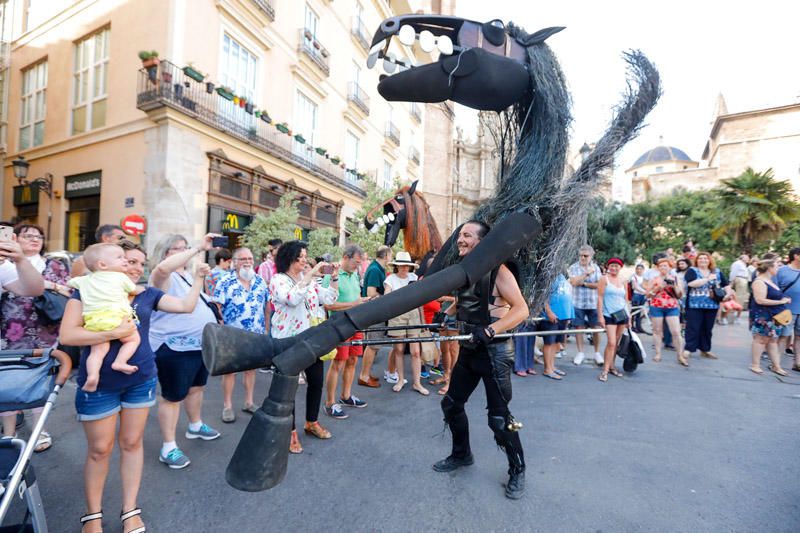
(267, 6)
(310, 46)
(166, 85)
(413, 155)
(416, 112)
(358, 96)
(393, 133)
(359, 31)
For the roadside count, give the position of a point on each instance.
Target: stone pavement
(709, 448)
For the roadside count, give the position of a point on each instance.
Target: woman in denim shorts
(119, 397)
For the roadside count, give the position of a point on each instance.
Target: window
(351, 143)
(387, 175)
(659, 169)
(90, 82)
(34, 92)
(3, 106)
(312, 21)
(238, 72)
(306, 120)
(356, 74)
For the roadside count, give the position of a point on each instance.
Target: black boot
(450, 463)
(515, 487)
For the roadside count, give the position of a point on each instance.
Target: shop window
(233, 188)
(90, 82)
(268, 198)
(83, 217)
(326, 217)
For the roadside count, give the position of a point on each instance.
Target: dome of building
(661, 154)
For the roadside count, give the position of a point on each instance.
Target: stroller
(28, 379)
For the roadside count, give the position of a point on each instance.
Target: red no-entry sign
(134, 225)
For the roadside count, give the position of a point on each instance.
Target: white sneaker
(724, 321)
(579, 358)
(392, 378)
(560, 354)
(537, 351)
(598, 358)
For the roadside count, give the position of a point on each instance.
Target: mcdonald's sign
(26, 195)
(231, 222)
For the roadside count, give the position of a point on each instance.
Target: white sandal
(43, 443)
(130, 514)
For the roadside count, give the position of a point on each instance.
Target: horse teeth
(385, 219)
(391, 216)
(389, 63)
(445, 45)
(427, 41)
(372, 58)
(380, 222)
(407, 35)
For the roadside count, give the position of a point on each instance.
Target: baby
(104, 294)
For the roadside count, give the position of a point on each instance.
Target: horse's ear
(413, 187)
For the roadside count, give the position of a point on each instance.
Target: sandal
(294, 444)
(552, 375)
(560, 372)
(91, 517)
(438, 381)
(756, 370)
(779, 371)
(616, 373)
(531, 372)
(315, 429)
(250, 409)
(422, 390)
(130, 514)
(521, 374)
(603, 376)
(43, 443)
(443, 390)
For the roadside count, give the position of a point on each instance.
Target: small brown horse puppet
(407, 210)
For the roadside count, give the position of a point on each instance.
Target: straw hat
(403, 259)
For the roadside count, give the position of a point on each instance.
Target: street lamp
(45, 183)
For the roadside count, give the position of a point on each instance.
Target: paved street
(711, 448)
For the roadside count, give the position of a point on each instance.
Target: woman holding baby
(123, 397)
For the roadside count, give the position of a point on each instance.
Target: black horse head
(480, 65)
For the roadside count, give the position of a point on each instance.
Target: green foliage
(754, 207)
(279, 224)
(321, 241)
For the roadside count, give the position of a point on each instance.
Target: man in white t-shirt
(17, 274)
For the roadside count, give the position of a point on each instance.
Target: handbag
(50, 306)
(26, 383)
(624, 346)
(783, 318)
(718, 293)
(619, 316)
(210, 305)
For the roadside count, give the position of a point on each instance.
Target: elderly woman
(768, 300)
(402, 276)
(177, 340)
(120, 398)
(701, 305)
(298, 296)
(664, 292)
(612, 314)
(21, 325)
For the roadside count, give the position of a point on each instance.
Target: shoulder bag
(210, 305)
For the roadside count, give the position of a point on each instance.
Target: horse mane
(421, 234)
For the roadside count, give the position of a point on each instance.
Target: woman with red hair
(612, 314)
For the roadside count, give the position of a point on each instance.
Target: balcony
(413, 155)
(360, 33)
(393, 133)
(311, 48)
(416, 112)
(358, 97)
(166, 86)
(267, 7)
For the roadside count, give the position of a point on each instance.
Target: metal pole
(435, 338)
(419, 326)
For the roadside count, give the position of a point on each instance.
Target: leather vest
(473, 301)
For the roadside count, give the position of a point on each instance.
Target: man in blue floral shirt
(243, 298)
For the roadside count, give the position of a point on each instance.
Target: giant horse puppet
(407, 210)
(538, 215)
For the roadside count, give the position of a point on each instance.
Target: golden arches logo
(231, 221)
(298, 234)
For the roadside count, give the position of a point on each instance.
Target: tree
(322, 241)
(278, 224)
(754, 207)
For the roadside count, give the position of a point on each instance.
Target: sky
(702, 48)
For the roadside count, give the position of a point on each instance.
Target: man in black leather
(490, 306)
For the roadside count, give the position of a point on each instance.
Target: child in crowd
(104, 293)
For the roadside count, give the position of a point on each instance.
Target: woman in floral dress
(21, 324)
(297, 297)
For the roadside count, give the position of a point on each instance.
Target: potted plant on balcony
(299, 138)
(150, 63)
(282, 127)
(336, 160)
(324, 52)
(242, 101)
(316, 44)
(265, 117)
(193, 73)
(308, 35)
(225, 92)
(209, 87)
(321, 151)
(252, 132)
(248, 108)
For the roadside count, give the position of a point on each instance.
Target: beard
(247, 273)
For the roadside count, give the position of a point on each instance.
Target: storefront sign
(235, 222)
(26, 195)
(220, 220)
(134, 225)
(87, 184)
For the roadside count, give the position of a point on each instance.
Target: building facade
(246, 101)
(760, 138)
